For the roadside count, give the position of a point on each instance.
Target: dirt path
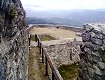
(36, 68)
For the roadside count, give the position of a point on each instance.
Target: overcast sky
(63, 4)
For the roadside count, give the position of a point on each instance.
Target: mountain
(67, 17)
(53, 20)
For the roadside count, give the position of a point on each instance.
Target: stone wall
(13, 41)
(92, 56)
(64, 54)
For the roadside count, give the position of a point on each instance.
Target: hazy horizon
(70, 12)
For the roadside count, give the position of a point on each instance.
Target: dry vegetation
(54, 32)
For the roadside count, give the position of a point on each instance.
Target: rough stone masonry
(92, 56)
(64, 54)
(13, 41)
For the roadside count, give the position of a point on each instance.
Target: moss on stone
(12, 11)
(69, 72)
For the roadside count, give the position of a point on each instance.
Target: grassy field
(69, 72)
(43, 37)
(54, 32)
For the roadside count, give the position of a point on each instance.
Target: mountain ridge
(73, 17)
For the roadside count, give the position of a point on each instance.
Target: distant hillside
(73, 18)
(32, 20)
(59, 21)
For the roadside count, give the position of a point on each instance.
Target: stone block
(86, 37)
(87, 28)
(97, 70)
(96, 41)
(101, 65)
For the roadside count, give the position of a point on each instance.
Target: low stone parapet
(64, 54)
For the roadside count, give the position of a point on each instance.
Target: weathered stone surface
(13, 41)
(92, 53)
(94, 35)
(86, 37)
(101, 65)
(96, 41)
(103, 58)
(64, 53)
(91, 71)
(87, 28)
(97, 70)
(104, 41)
(96, 47)
(87, 50)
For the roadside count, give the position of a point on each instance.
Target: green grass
(33, 37)
(69, 72)
(43, 38)
(46, 38)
